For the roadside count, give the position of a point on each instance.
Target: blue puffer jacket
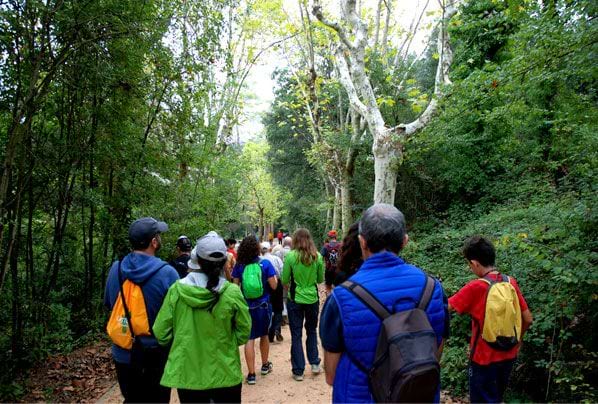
(398, 286)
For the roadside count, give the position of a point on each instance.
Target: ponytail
(212, 269)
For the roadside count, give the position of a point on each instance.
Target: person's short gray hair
(287, 242)
(383, 228)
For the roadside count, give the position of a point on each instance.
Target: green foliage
(548, 245)
(513, 155)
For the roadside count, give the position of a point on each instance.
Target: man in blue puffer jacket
(142, 384)
(349, 329)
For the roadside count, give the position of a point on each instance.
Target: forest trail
(277, 387)
(88, 375)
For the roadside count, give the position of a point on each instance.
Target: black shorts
(329, 276)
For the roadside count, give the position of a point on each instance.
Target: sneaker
(266, 368)
(279, 337)
(316, 369)
(298, 378)
(251, 378)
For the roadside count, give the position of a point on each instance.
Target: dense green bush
(550, 246)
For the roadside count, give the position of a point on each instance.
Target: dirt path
(277, 387)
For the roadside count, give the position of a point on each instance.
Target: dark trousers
(220, 395)
(297, 313)
(141, 385)
(275, 326)
(487, 384)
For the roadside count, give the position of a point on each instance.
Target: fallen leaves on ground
(81, 376)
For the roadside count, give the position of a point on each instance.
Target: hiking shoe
(316, 369)
(266, 368)
(279, 337)
(251, 378)
(298, 378)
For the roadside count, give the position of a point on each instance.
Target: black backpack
(405, 367)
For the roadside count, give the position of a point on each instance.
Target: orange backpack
(128, 312)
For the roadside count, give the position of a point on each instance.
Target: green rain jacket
(306, 277)
(205, 333)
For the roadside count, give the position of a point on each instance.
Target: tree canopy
(111, 110)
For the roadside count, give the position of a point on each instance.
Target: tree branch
(317, 11)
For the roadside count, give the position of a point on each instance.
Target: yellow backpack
(129, 309)
(502, 319)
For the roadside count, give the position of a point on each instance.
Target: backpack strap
(367, 298)
(122, 296)
(427, 293)
(480, 325)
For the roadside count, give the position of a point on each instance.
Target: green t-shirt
(306, 277)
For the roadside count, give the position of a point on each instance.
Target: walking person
(183, 248)
(303, 270)
(351, 327)
(349, 259)
(135, 289)
(330, 253)
(206, 319)
(276, 296)
(499, 319)
(257, 279)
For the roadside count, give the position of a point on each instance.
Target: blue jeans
(297, 312)
(487, 384)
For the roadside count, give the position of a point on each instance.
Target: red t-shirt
(471, 299)
(233, 252)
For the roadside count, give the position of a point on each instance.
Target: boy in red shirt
(489, 368)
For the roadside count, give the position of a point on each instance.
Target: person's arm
(331, 360)
(269, 273)
(163, 325)
(526, 321)
(242, 319)
(526, 314)
(331, 336)
(236, 275)
(273, 282)
(320, 269)
(286, 270)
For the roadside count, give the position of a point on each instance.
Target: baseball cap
(211, 247)
(265, 246)
(184, 243)
(144, 229)
(332, 233)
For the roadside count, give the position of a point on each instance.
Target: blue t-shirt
(268, 271)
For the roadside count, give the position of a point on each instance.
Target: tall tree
(351, 63)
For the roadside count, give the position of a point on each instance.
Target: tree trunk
(261, 224)
(347, 203)
(385, 172)
(337, 210)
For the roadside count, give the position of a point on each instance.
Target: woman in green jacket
(302, 271)
(206, 319)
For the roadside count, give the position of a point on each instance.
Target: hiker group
(383, 325)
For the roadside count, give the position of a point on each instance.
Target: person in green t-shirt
(303, 270)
